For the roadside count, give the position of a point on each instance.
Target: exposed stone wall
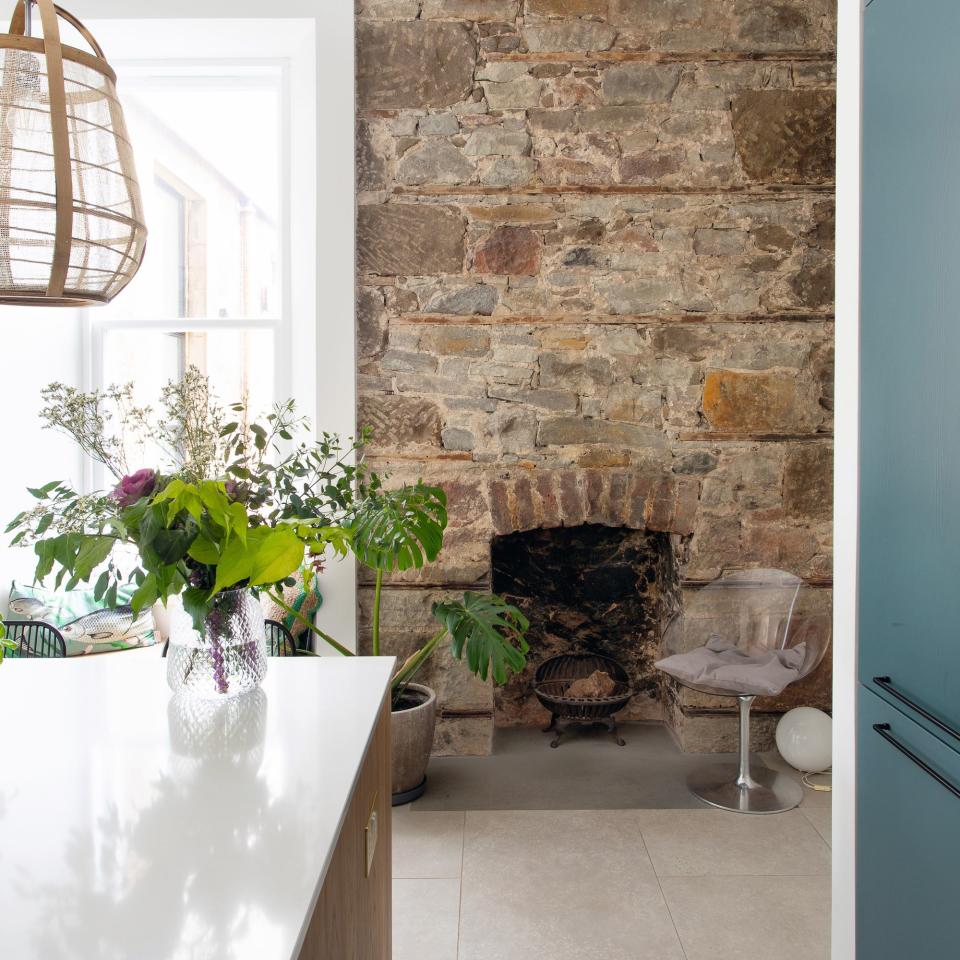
(595, 267)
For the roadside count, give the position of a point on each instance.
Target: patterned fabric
(305, 602)
(87, 626)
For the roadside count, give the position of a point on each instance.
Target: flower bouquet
(225, 516)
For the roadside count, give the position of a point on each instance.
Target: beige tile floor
(612, 884)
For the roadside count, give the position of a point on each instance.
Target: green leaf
(171, 546)
(238, 521)
(214, 498)
(152, 521)
(317, 538)
(180, 496)
(205, 551)
(40, 493)
(46, 554)
(399, 529)
(197, 604)
(146, 595)
(278, 554)
(103, 581)
(66, 547)
(235, 566)
(190, 501)
(171, 491)
(92, 552)
(490, 632)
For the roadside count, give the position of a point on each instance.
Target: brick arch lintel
(567, 497)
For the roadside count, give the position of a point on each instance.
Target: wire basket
(554, 676)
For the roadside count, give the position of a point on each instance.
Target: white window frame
(315, 358)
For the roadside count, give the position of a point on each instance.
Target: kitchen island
(138, 825)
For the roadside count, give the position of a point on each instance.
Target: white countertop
(135, 826)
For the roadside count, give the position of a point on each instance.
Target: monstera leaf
(399, 529)
(489, 632)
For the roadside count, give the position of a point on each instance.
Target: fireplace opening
(589, 589)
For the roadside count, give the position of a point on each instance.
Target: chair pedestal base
(765, 791)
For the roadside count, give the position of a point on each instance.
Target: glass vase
(229, 659)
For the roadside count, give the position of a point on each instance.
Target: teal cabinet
(908, 768)
(908, 851)
(909, 603)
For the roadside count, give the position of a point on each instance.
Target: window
(208, 142)
(235, 161)
(221, 115)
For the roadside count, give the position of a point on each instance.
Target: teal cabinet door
(908, 839)
(908, 776)
(909, 592)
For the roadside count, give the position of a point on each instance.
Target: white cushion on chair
(723, 665)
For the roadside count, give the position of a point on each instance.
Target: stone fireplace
(595, 299)
(587, 589)
(614, 537)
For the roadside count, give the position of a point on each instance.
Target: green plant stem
(310, 625)
(377, 590)
(413, 664)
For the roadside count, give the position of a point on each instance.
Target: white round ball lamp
(804, 739)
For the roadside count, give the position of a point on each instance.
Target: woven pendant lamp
(71, 218)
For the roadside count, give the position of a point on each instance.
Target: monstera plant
(397, 530)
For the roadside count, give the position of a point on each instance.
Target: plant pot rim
(419, 688)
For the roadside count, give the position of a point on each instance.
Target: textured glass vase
(231, 656)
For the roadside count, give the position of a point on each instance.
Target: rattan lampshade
(71, 219)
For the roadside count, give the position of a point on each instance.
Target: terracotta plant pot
(412, 724)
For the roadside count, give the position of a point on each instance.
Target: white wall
(37, 346)
(176, 9)
(845, 478)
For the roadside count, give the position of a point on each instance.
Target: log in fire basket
(582, 688)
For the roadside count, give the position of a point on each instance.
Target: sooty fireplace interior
(588, 589)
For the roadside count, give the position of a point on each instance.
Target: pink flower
(130, 489)
(236, 491)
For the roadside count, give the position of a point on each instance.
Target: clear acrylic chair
(759, 611)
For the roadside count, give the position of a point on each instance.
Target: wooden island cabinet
(353, 913)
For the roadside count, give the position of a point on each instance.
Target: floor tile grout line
(432, 877)
(666, 902)
(463, 849)
(744, 876)
(817, 831)
(672, 876)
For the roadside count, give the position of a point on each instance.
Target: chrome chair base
(766, 791)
